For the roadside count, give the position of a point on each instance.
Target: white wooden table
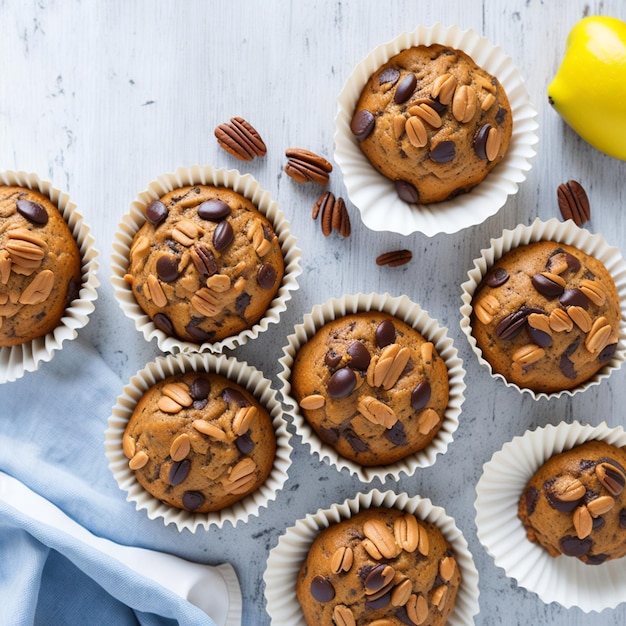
(102, 97)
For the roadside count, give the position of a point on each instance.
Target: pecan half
(240, 139)
(573, 202)
(305, 166)
(334, 214)
(394, 258)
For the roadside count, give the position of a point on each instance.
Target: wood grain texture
(102, 97)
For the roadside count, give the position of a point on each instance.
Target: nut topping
(376, 411)
(583, 522)
(243, 419)
(179, 392)
(139, 460)
(464, 104)
(573, 202)
(209, 429)
(341, 560)
(439, 595)
(399, 121)
(427, 114)
(401, 593)
(598, 336)
(128, 446)
(241, 477)
(447, 568)
(417, 609)
(38, 289)
(528, 354)
(181, 447)
(427, 421)
(343, 616)
(580, 317)
(305, 166)
(600, 506)
(493, 144)
(568, 489)
(156, 291)
(385, 369)
(443, 88)
(486, 308)
(240, 139)
(394, 258)
(406, 531)
(560, 321)
(378, 533)
(612, 479)
(185, 232)
(416, 132)
(593, 290)
(312, 402)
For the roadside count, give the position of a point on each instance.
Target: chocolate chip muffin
(371, 387)
(40, 265)
(199, 442)
(546, 316)
(206, 264)
(381, 564)
(575, 504)
(432, 121)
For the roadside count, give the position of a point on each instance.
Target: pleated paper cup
(375, 196)
(286, 558)
(562, 232)
(238, 372)
(563, 579)
(413, 315)
(243, 184)
(15, 361)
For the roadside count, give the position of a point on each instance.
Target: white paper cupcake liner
(375, 196)
(414, 316)
(238, 372)
(565, 580)
(285, 559)
(243, 184)
(562, 232)
(15, 361)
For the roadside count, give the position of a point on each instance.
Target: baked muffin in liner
(565, 580)
(238, 372)
(243, 184)
(375, 196)
(285, 559)
(563, 232)
(15, 361)
(413, 315)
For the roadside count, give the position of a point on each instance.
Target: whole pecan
(305, 166)
(240, 139)
(394, 258)
(334, 214)
(573, 202)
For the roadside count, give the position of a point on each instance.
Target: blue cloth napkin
(52, 425)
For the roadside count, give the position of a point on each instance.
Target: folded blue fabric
(52, 425)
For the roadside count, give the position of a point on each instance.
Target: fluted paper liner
(15, 361)
(285, 559)
(413, 315)
(375, 196)
(243, 184)
(238, 372)
(563, 579)
(562, 232)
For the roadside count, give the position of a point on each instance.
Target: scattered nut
(394, 258)
(573, 202)
(240, 139)
(334, 214)
(305, 166)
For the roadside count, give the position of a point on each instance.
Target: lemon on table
(589, 89)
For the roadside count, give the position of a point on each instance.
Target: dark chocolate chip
(389, 75)
(406, 191)
(193, 500)
(213, 210)
(480, 141)
(596, 559)
(396, 434)
(379, 602)
(197, 334)
(598, 522)
(32, 211)
(163, 323)
(322, 589)
(500, 115)
(547, 287)
(385, 333)
(531, 498)
(332, 359)
(539, 337)
(405, 89)
(375, 581)
(179, 471)
(329, 435)
(510, 326)
(341, 383)
(574, 297)
(266, 276)
(200, 388)
(223, 236)
(167, 268)
(622, 518)
(362, 124)
(242, 302)
(573, 546)
(356, 443)
(443, 152)
(244, 443)
(420, 395)
(233, 395)
(156, 212)
(607, 353)
(359, 356)
(497, 277)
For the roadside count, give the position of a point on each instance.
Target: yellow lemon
(589, 89)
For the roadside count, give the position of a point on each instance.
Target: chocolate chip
(32, 211)
(539, 337)
(242, 302)
(329, 435)
(223, 236)
(608, 352)
(167, 268)
(244, 443)
(598, 522)
(573, 546)
(193, 500)
(379, 602)
(362, 124)
(396, 434)
(341, 383)
(359, 356)
(480, 141)
(497, 277)
(512, 324)
(389, 75)
(622, 518)
(375, 580)
(443, 152)
(567, 367)
(322, 589)
(405, 89)
(233, 395)
(356, 443)
(531, 498)
(385, 333)
(500, 115)
(163, 323)
(266, 276)
(574, 297)
(596, 559)
(156, 212)
(200, 388)
(547, 287)
(179, 471)
(213, 210)
(406, 191)
(420, 395)
(332, 359)
(198, 334)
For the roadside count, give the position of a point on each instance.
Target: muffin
(380, 564)
(206, 264)
(199, 442)
(432, 121)
(371, 387)
(40, 265)
(546, 316)
(575, 503)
